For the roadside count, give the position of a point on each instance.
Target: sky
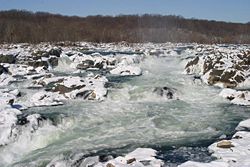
(221, 10)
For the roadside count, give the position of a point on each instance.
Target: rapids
(132, 116)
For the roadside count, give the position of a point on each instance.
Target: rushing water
(132, 116)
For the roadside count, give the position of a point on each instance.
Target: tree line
(23, 26)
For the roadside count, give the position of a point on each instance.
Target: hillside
(23, 26)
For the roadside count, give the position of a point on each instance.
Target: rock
(3, 70)
(51, 61)
(236, 155)
(85, 65)
(8, 96)
(6, 80)
(126, 71)
(8, 119)
(55, 51)
(110, 165)
(164, 92)
(236, 97)
(129, 161)
(192, 62)
(143, 154)
(10, 59)
(199, 164)
(45, 99)
(224, 67)
(225, 144)
(89, 88)
(244, 125)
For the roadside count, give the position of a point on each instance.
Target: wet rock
(164, 92)
(55, 51)
(8, 119)
(44, 62)
(192, 62)
(3, 70)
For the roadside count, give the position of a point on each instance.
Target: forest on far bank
(17, 26)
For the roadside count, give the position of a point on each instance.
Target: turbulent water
(132, 116)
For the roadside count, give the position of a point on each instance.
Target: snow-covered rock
(138, 158)
(165, 92)
(6, 79)
(63, 88)
(44, 98)
(126, 70)
(199, 164)
(238, 152)
(8, 120)
(236, 97)
(244, 125)
(229, 153)
(224, 67)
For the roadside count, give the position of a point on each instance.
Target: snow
(236, 97)
(44, 98)
(199, 164)
(137, 158)
(126, 70)
(244, 125)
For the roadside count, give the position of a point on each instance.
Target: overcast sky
(222, 10)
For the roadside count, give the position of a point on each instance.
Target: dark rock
(11, 102)
(53, 61)
(63, 89)
(36, 64)
(85, 65)
(110, 165)
(164, 92)
(38, 54)
(99, 65)
(85, 94)
(55, 52)
(11, 59)
(129, 161)
(4, 70)
(22, 120)
(192, 62)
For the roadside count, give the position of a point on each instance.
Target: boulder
(225, 144)
(55, 51)
(4, 70)
(85, 64)
(236, 97)
(127, 71)
(164, 92)
(10, 59)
